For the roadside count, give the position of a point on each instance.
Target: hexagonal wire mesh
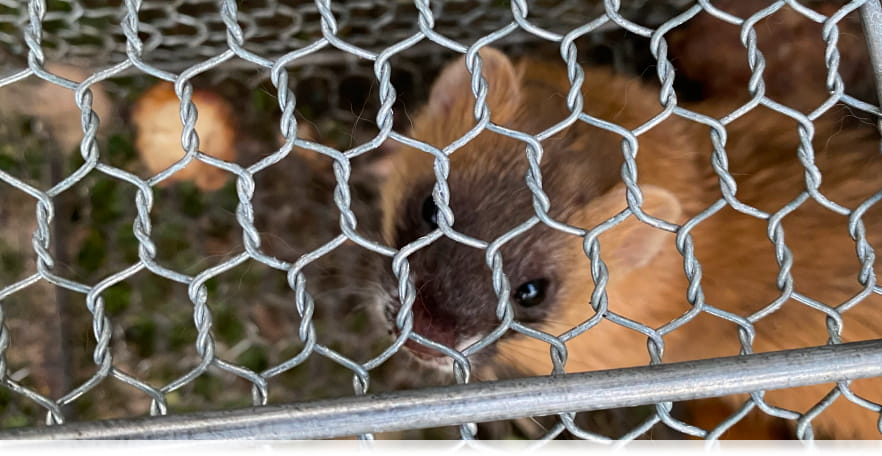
(143, 356)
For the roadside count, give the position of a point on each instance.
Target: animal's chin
(441, 364)
(424, 355)
(482, 367)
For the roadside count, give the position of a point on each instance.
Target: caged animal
(549, 270)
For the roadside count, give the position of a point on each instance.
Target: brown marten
(581, 167)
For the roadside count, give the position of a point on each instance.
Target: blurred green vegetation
(154, 334)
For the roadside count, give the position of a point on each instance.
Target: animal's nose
(433, 325)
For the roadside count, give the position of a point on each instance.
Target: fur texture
(581, 169)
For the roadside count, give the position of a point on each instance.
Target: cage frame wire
(496, 400)
(756, 372)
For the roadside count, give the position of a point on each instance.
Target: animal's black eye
(531, 293)
(430, 212)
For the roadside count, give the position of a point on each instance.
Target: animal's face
(457, 301)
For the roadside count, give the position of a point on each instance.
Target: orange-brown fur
(738, 261)
(709, 51)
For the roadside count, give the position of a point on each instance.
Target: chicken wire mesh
(253, 294)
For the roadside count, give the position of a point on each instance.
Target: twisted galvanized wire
(230, 36)
(270, 27)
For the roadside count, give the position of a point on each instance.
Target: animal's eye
(531, 293)
(430, 212)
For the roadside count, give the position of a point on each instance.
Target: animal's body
(549, 271)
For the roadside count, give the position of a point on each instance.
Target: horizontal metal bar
(499, 400)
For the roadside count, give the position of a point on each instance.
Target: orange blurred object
(157, 119)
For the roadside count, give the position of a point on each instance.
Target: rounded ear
(631, 244)
(452, 97)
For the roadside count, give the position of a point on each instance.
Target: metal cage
(125, 314)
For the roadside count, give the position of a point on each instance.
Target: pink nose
(431, 325)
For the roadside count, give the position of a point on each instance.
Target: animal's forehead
(486, 195)
(487, 180)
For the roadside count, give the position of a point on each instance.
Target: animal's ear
(452, 99)
(631, 244)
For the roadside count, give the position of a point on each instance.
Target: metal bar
(871, 17)
(506, 399)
